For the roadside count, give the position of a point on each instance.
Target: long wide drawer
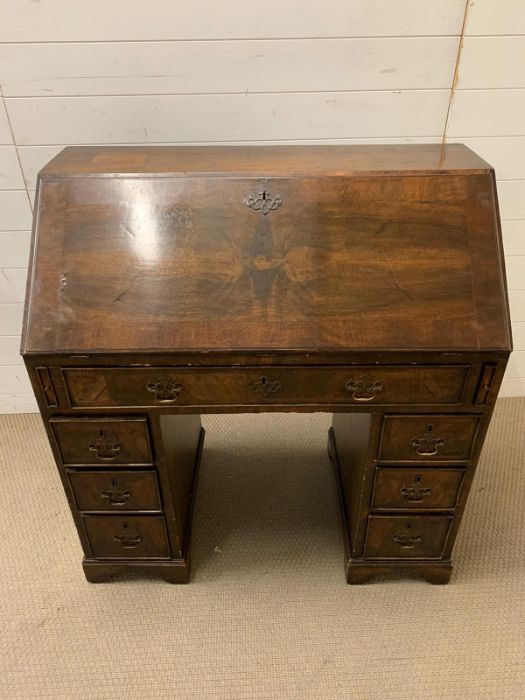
(89, 441)
(406, 537)
(113, 491)
(423, 489)
(427, 438)
(139, 387)
(129, 537)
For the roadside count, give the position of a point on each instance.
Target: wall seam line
(26, 189)
(455, 77)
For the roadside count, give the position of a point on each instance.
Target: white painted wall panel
(18, 403)
(511, 196)
(496, 17)
(512, 387)
(10, 350)
(487, 113)
(10, 173)
(505, 52)
(515, 265)
(15, 212)
(144, 119)
(14, 380)
(11, 319)
(14, 248)
(516, 366)
(12, 285)
(506, 154)
(517, 306)
(183, 67)
(56, 20)
(518, 335)
(5, 132)
(514, 237)
(33, 159)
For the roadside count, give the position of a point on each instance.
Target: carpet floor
(267, 614)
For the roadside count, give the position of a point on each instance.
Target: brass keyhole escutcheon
(427, 444)
(263, 202)
(266, 386)
(106, 448)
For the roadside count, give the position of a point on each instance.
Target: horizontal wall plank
(505, 17)
(514, 237)
(102, 20)
(15, 212)
(491, 62)
(506, 154)
(518, 335)
(511, 195)
(512, 387)
(517, 306)
(14, 380)
(33, 158)
(14, 248)
(516, 366)
(137, 68)
(10, 173)
(11, 319)
(515, 266)
(18, 403)
(146, 119)
(10, 350)
(12, 285)
(5, 131)
(486, 113)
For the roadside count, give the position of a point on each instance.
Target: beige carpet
(268, 613)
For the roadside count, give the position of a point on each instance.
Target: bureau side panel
(355, 436)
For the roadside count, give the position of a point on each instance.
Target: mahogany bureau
(365, 281)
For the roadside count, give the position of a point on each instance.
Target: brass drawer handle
(406, 541)
(105, 449)
(126, 540)
(265, 386)
(114, 496)
(364, 389)
(263, 202)
(165, 390)
(427, 444)
(415, 493)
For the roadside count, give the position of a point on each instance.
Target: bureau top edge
(263, 161)
(239, 356)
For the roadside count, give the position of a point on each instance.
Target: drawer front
(112, 491)
(416, 488)
(92, 388)
(398, 537)
(89, 441)
(427, 438)
(131, 537)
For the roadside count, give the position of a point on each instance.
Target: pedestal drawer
(204, 386)
(115, 490)
(130, 537)
(89, 441)
(427, 438)
(427, 489)
(402, 537)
